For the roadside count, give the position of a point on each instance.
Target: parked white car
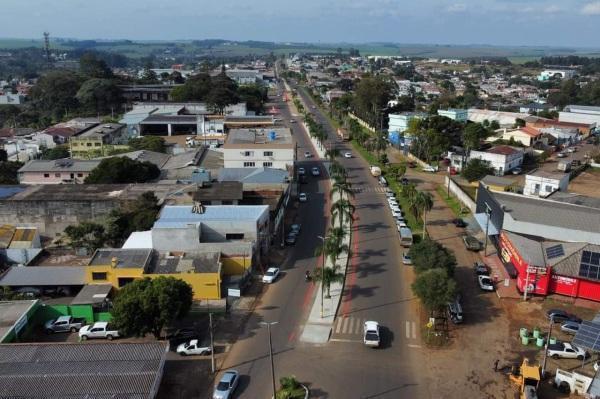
(485, 283)
(226, 385)
(347, 155)
(430, 169)
(270, 275)
(192, 347)
(100, 329)
(371, 334)
(566, 350)
(406, 259)
(302, 197)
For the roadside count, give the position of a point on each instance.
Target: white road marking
(345, 325)
(413, 346)
(408, 329)
(414, 330)
(338, 325)
(351, 327)
(345, 340)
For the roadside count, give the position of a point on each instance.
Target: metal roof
(547, 212)
(253, 175)
(24, 276)
(223, 191)
(81, 371)
(10, 313)
(181, 215)
(125, 258)
(59, 165)
(92, 293)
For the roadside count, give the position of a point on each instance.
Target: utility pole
(271, 353)
(212, 343)
(546, 350)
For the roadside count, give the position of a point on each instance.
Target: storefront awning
(482, 220)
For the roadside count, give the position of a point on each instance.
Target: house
(61, 135)
(58, 171)
(528, 136)
(125, 370)
(147, 93)
(502, 158)
(401, 122)
(331, 95)
(251, 148)
(580, 114)
(459, 115)
(541, 183)
(97, 140)
(533, 108)
(584, 129)
(11, 99)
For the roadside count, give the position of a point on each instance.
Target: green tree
(255, 97)
(327, 276)
(425, 204)
(290, 388)
(148, 143)
(396, 171)
(55, 93)
(428, 254)
(87, 235)
(90, 66)
(9, 172)
(148, 305)
(342, 210)
(58, 152)
(222, 93)
(99, 96)
(477, 169)
(196, 88)
(472, 136)
(434, 288)
(137, 216)
(117, 170)
(342, 188)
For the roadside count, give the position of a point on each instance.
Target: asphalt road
(377, 288)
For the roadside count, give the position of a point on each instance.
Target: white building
(244, 76)
(502, 158)
(542, 183)
(259, 148)
(580, 114)
(460, 115)
(556, 73)
(11, 99)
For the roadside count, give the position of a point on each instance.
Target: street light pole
(271, 353)
(546, 351)
(322, 272)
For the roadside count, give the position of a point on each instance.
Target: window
(98, 276)
(46, 174)
(548, 189)
(97, 144)
(89, 144)
(249, 164)
(79, 174)
(268, 153)
(234, 236)
(57, 175)
(267, 164)
(248, 153)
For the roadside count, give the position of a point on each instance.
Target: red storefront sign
(536, 279)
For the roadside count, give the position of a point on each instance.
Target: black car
(481, 269)
(177, 336)
(459, 222)
(404, 181)
(291, 239)
(560, 316)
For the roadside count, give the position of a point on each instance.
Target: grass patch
(370, 158)
(452, 202)
(435, 339)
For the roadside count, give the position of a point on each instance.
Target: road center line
(408, 329)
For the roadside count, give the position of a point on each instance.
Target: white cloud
(591, 8)
(457, 7)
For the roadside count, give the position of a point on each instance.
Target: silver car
(227, 385)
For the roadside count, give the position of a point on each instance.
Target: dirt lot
(586, 183)
(465, 368)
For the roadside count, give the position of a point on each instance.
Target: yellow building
(203, 272)
(97, 141)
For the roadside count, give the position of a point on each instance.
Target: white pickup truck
(99, 329)
(566, 350)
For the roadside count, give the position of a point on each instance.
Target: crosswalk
(368, 189)
(350, 328)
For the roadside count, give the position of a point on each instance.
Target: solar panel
(590, 265)
(588, 336)
(555, 251)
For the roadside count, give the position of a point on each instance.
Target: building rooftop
(530, 131)
(584, 109)
(100, 130)
(253, 175)
(32, 276)
(7, 232)
(575, 199)
(156, 158)
(497, 181)
(59, 165)
(81, 371)
(160, 119)
(503, 150)
(208, 262)
(125, 258)
(182, 215)
(220, 191)
(547, 174)
(91, 294)
(549, 212)
(237, 138)
(10, 313)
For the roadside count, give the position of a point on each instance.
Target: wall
(460, 194)
(236, 265)
(52, 177)
(362, 123)
(112, 274)
(544, 183)
(281, 158)
(52, 217)
(204, 285)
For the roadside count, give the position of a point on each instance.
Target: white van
(406, 237)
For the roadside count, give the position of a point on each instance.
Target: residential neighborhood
(224, 219)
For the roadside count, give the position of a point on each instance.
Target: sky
(572, 23)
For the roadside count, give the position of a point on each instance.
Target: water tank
(272, 135)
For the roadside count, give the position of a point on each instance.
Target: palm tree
(341, 187)
(425, 203)
(410, 192)
(342, 209)
(332, 153)
(327, 276)
(337, 170)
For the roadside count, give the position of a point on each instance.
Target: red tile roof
(530, 131)
(61, 131)
(503, 150)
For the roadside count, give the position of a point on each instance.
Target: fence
(460, 194)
